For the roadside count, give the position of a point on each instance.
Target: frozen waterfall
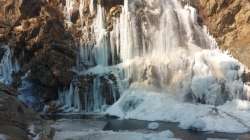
(156, 50)
(163, 46)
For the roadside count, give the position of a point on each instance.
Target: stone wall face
(229, 22)
(42, 45)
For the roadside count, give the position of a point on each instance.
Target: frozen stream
(95, 127)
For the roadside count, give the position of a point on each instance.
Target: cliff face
(35, 31)
(229, 22)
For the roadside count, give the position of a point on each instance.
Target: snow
(141, 104)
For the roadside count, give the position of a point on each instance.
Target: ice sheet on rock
(152, 106)
(217, 77)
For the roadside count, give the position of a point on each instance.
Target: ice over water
(167, 67)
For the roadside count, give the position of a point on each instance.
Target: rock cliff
(35, 31)
(229, 22)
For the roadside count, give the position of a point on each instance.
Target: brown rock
(36, 33)
(228, 21)
(14, 116)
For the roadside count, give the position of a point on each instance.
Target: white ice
(150, 105)
(153, 125)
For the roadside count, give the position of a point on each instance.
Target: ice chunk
(153, 125)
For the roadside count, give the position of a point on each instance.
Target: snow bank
(232, 117)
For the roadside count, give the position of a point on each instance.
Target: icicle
(68, 10)
(81, 10)
(102, 51)
(77, 101)
(6, 66)
(92, 7)
(96, 95)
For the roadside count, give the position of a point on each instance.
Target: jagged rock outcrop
(229, 22)
(35, 31)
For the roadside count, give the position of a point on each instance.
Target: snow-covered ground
(92, 130)
(142, 104)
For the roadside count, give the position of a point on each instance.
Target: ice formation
(68, 10)
(166, 67)
(101, 91)
(7, 67)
